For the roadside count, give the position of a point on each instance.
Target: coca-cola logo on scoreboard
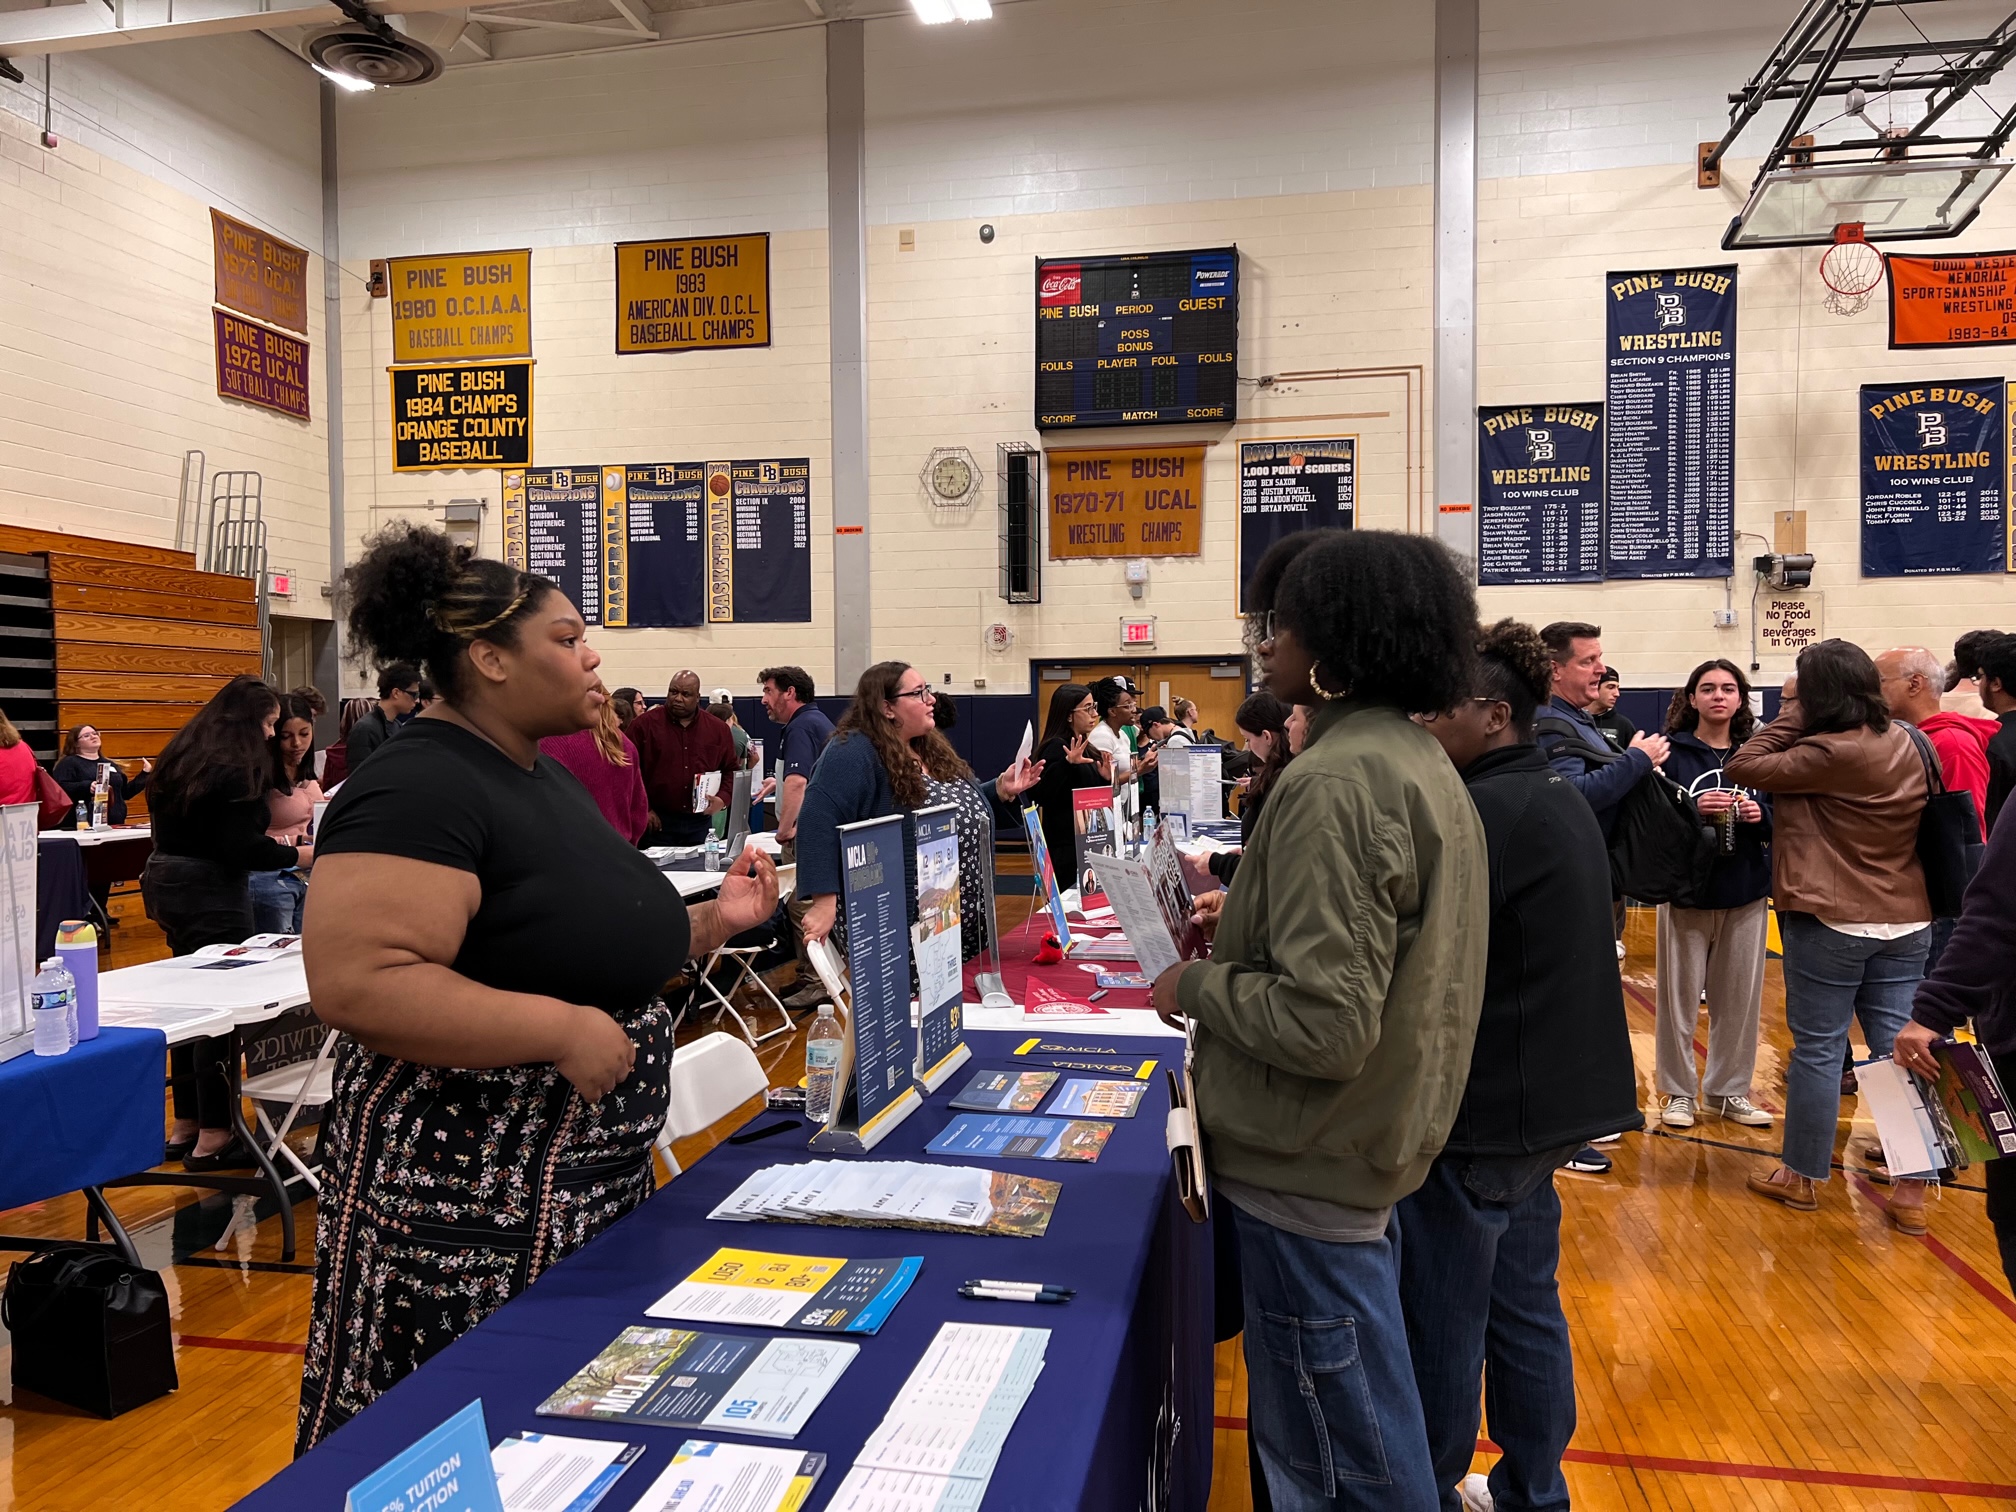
(1059, 285)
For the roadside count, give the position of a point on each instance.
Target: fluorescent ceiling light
(345, 81)
(938, 12)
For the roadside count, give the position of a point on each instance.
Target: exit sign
(1135, 633)
(280, 583)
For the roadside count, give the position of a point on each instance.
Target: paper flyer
(894, 1194)
(1097, 820)
(936, 940)
(1006, 1091)
(1044, 1001)
(1046, 876)
(810, 1292)
(1976, 1106)
(544, 1472)
(676, 1378)
(711, 1477)
(1084, 1097)
(1010, 1138)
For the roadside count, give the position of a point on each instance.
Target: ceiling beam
(638, 24)
(76, 28)
(491, 18)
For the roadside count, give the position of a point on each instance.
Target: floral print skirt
(447, 1192)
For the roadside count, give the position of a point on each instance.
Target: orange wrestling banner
(1965, 300)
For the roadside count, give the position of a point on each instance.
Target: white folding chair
(304, 1084)
(710, 1078)
(744, 958)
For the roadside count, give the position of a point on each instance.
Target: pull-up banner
(1966, 299)
(1935, 478)
(1291, 486)
(1540, 493)
(1670, 433)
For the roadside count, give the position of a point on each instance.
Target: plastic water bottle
(53, 1006)
(1148, 822)
(77, 948)
(83, 814)
(822, 1063)
(713, 861)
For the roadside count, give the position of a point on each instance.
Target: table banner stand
(938, 945)
(17, 927)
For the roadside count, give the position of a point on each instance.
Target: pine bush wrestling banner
(1540, 494)
(1935, 478)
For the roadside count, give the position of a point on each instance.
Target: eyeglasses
(923, 693)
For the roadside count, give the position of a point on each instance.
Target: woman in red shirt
(17, 765)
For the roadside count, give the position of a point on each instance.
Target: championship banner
(693, 294)
(462, 307)
(1935, 478)
(259, 275)
(1126, 501)
(662, 556)
(1966, 299)
(463, 415)
(614, 522)
(563, 532)
(1291, 486)
(759, 541)
(1670, 423)
(260, 366)
(1540, 494)
(512, 487)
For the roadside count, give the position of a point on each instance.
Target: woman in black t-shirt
(497, 950)
(1068, 763)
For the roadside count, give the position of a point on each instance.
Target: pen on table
(1012, 1296)
(1054, 1287)
(765, 1132)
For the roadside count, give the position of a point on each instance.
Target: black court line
(1743, 1149)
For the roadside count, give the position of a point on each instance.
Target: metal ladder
(227, 532)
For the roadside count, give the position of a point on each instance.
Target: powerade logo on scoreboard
(1211, 275)
(1060, 285)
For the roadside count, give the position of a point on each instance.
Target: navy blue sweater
(1591, 764)
(1976, 974)
(1746, 876)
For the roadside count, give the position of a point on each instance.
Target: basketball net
(1851, 269)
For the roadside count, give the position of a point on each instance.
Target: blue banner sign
(1289, 486)
(873, 881)
(1670, 398)
(1935, 477)
(1540, 493)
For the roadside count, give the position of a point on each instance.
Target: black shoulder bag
(1949, 833)
(1661, 850)
(89, 1330)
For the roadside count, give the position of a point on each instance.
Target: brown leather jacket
(1845, 825)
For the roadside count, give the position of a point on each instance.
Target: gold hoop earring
(1322, 692)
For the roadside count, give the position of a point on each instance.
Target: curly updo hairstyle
(1390, 618)
(416, 596)
(1515, 667)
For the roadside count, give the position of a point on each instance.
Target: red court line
(1926, 1485)
(1953, 1262)
(255, 1346)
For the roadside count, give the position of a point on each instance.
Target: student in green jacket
(1334, 1022)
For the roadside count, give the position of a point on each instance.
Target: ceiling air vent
(380, 57)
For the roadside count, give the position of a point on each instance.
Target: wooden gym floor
(1729, 1354)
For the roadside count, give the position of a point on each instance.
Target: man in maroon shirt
(676, 742)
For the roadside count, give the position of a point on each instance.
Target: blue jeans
(277, 897)
(1832, 978)
(1482, 1239)
(1331, 1406)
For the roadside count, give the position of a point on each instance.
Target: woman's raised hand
(748, 894)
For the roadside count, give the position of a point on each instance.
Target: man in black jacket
(1551, 1068)
(398, 697)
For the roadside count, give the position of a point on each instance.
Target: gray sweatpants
(1722, 949)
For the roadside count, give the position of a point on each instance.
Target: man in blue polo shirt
(787, 698)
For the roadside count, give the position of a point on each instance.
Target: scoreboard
(1145, 339)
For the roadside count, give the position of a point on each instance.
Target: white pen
(1028, 1286)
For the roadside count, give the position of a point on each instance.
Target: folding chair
(744, 958)
(304, 1084)
(710, 1079)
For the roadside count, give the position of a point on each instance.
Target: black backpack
(1661, 850)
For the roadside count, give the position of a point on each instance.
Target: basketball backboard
(1903, 201)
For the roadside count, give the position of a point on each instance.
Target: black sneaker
(1589, 1160)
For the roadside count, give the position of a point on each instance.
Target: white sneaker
(1603, 1139)
(1476, 1493)
(1739, 1110)
(1678, 1113)
(1620, 950)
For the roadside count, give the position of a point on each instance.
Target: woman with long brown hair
(887, 756)
(604, 760)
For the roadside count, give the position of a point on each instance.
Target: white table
(190, 991)
(110, 836)
(692, 884)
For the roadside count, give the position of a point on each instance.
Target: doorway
(1217, 685)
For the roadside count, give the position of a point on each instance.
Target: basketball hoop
(1851, 269)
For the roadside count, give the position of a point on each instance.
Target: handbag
(90, 1330)
(1661, 849)
(55, 803)
(1948, 830)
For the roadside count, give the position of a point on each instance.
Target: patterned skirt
(447, 1192)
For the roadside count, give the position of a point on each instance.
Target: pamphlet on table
(710, 1477)
(673, 1377)
(936, 944)
(1084, 1097)
(1046, 876)
(1006, 1091)
(544, 1472)
(1006, 1137)
(894, 1194)
(1041, 1000)
(810, 1292)
(1096, 818)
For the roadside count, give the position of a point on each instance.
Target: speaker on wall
(1020, 479)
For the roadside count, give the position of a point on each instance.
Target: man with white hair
(1913, 679)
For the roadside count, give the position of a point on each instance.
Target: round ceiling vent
(382, 60)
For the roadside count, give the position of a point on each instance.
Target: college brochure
(675, 1378)
(1083, 1097)
(1047, 886)
(894, 1194)
(1006, 1091)
(544, 1472)
(1152, 902)
(710, 1477)
(810, 1292)
(1041, 1000)
(1131, 980)
(1096, 817)
(1973, 1100)
(1012, 1138)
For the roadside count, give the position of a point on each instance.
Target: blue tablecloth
(1124, 1401)
(72, 1121)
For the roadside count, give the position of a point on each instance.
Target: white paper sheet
(547, 1472)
